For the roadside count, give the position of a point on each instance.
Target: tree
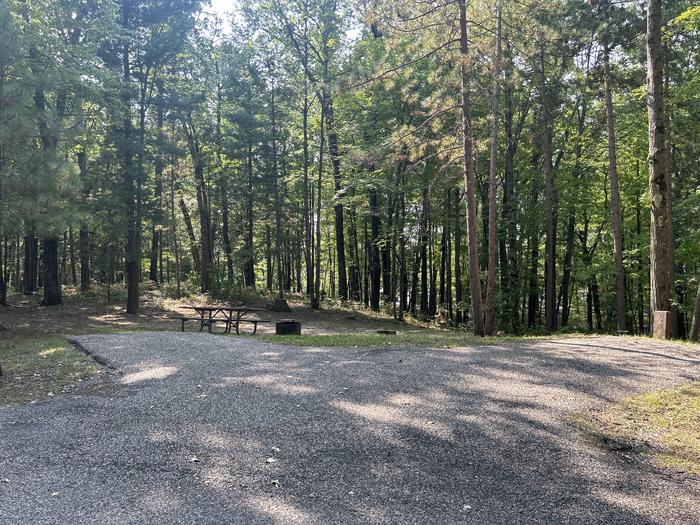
(661, 247)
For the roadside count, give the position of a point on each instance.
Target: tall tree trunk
(4, 272)
(52, 282)
(132, 261)
(334, 153)
(550, 308)
(375, 265)
(63, 273)
(157, 219)
(277, 197)
(614, 197)
(308, 236)
(31, 263)
(72, 257)
(249, 264)
(205, 224)
(173, 231)
(509, 266)
(354, 267)
(194, 248)
(659, 179)
(448, 257)
(459, 317)
(225, 233)
(316, 303)
(424, 239)
(695, 326)
(469, 176)
(268, 258)
(83, 234)
(493, 173)
(640, 264)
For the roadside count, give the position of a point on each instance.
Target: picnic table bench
(231, 316)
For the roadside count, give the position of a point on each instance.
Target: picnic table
(231, 316)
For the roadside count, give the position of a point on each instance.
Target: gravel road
(200, 428)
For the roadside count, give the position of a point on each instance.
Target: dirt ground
(24, 317)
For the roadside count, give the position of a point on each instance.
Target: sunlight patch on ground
(281, 383)
(148, 374)
(280, 511)
(395, 416)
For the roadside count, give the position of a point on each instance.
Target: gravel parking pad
(202, 428)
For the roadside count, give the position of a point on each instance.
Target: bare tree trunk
(424, 239)
(249, 247)
(72, 257)
(84, 258)
(375, 266)
(550, 308)
(334, 153)
(695, 326)
(459, 318)
(133, 250)
(614, 197)
(280, 303)
(83, 234)
(316, 303)
(493, 173)
(469, 176)
(659, 180)
(52, 283)
(194, 249)
(31, 263)
(173, 230)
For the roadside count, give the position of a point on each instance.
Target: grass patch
(666, 421)
(425, 339)
(38, 368)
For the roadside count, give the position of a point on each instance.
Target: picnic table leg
(210, 317)
(229, 319)
(238, 322)
(255, 327)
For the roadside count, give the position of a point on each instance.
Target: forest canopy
(515, 167)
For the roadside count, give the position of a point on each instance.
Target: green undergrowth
(38, 368)
(664, 422)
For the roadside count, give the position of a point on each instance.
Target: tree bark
(278, 200)
(173, 232)
(334, 154)
(133, 250)
(31, 263)
(459, 316)
(659, 179)
(424, 239)
(493, 173)
(205, 224)
(248, 242)
(375, 266)
(194, 249)
(614, 197)
(695, 326)
(469, 176)
(52, 282)
(550, 308)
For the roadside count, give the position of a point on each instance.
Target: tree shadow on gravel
(257, 433)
